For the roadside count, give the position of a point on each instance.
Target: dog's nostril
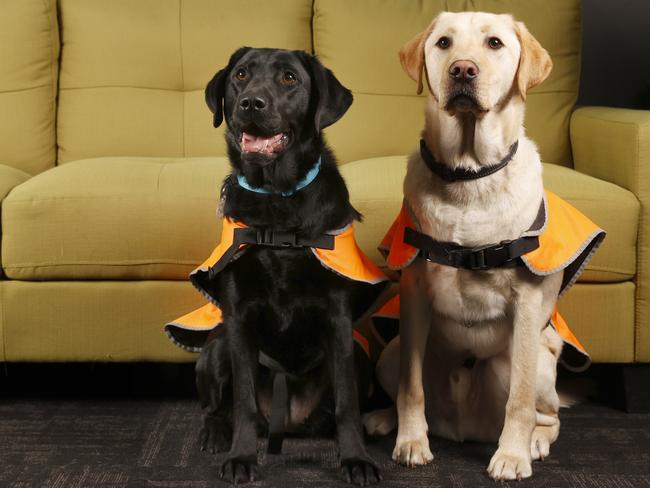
(245, 104)
(259, 103)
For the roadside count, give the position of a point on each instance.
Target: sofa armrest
(613, 144)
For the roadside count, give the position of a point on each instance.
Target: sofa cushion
(143, 218)
(29, 50)
(133, 73)
(113, 218)
(10, 177)
(376, 190)
(359, 41)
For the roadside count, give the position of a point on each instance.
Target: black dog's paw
(215, 436)
(239, 469)
(360, 471)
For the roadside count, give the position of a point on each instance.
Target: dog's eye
(289, 78)
(495, 43)
(241, 74)
(444, 42)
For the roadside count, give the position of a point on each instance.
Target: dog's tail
(574, 391)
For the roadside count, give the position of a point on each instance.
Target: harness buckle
(281, 239)
(477, 259)
(285, 239)
(265, 237)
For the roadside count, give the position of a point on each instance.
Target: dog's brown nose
(463, 70)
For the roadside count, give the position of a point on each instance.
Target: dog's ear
(215, 91)
(535, 64)
(331, 98)
(412, 55)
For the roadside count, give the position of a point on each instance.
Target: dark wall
(615, 53)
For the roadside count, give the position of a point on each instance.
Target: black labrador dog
(279, 301)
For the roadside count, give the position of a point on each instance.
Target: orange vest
(346, 259)
(567, 240)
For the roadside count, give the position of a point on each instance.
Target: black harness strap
(280, 401)
(451, 175)
(265, 237)
(502, 255)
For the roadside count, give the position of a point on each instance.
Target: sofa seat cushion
(113, 218)
(376, 190)
(151, 218)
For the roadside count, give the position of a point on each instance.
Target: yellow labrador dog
(478, 68)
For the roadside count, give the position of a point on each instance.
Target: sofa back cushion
(133, 72)
(359, 41)
(29, 50)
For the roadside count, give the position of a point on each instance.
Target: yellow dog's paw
(380, 422)
(509, 466)
(412, 452)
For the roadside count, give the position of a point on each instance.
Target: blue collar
(309, 177)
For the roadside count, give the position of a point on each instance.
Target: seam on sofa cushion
(95, 87)
(103, 263)
(102, 197)
(18, 90)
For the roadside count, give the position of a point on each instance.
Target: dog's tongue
(251, 143)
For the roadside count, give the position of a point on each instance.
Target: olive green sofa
(110, 166)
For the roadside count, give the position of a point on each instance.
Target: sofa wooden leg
(637, 387)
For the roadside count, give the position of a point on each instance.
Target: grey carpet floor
(95, 442)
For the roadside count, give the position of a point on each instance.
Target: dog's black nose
(257, 103)
(463, 70)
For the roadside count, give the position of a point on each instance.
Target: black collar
(462, 174)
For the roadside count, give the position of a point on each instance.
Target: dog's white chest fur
(480, 212)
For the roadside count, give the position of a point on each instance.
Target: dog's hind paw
(239, 469)
(413, 452)
(215, 436)
(506, 466)
(540, 444)
(360, 471)
(380, 422)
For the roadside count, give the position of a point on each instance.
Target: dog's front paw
(509, 466)
(239, 469)
(215, 436)
(412, 452)
(360, 471)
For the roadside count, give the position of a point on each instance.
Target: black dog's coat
(283, 301)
